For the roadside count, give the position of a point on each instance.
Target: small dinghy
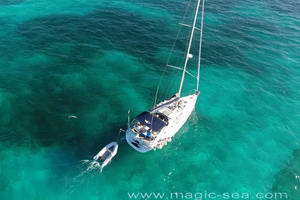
(106, 154)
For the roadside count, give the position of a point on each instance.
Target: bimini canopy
(151, 121)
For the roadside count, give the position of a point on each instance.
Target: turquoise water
(96, 59)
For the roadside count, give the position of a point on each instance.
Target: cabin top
(154, 121)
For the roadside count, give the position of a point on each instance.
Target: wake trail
(88, 170)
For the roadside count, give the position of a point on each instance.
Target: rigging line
(200, 45)
(189, 48)
(178, 33)
(175, 67)
(185, 41)
(169, 56)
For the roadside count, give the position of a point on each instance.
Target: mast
(200, 46)
(189, 49)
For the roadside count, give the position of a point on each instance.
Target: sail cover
(151, 121)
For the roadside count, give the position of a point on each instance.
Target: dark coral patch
(105, 28)
(10, 2)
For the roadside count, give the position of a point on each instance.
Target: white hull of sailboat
(184, 106)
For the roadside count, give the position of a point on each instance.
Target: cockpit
(147, 125)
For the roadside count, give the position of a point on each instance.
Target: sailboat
(153, 129)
